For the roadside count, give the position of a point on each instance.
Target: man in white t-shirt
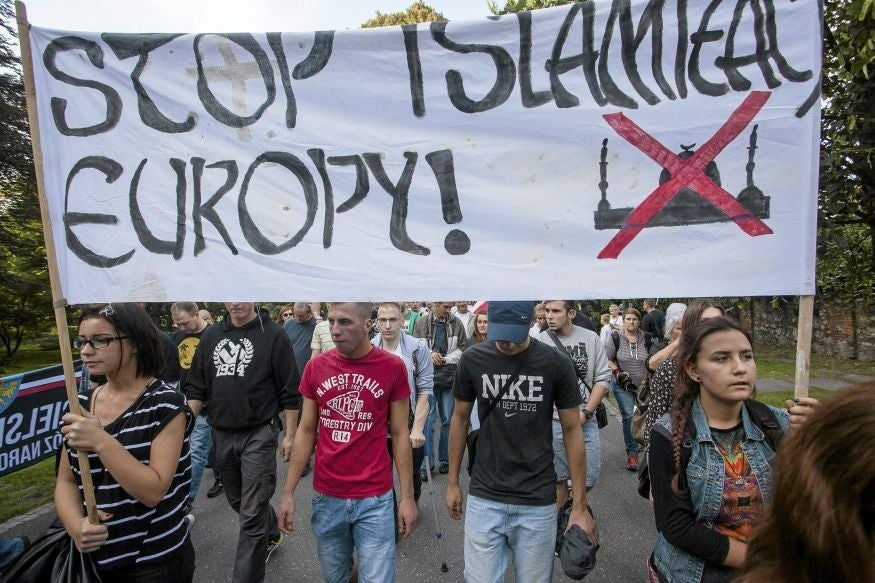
(593, 378)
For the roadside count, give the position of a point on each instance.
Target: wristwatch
(588, 414)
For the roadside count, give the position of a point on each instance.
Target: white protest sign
(595, 150)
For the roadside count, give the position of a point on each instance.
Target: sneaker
(272, 545)
(189, 522)
(632, 462)
(445, 468)
(218, 488)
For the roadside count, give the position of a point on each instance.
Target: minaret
(604, 205)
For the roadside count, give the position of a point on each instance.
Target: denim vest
(705, 473)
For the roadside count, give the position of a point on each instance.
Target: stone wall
(841, 328)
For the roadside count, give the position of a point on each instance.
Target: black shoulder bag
(471, 439)
(601, 414)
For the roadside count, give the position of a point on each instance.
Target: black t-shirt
(170, 374)
(515, 446)
(186, 344)
(654, 323)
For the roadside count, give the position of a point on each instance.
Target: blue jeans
(428, 430)
(366, 525)
(201, 442)
(593, 444)
(445, 405)
(493, 528)
(626, 404)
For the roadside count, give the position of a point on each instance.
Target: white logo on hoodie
(231, 359)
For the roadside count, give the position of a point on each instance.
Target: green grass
(780, 363)
(779, 398)
(31, 487)
(29, 357)
(27, 489)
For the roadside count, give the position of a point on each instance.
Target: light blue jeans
(201, 442)
(366, 525)
(493, 528)
(593, 444)
(626, 404)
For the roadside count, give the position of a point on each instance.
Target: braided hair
(687, 390)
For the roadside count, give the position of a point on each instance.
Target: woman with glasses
(135, 430)
(285, 313)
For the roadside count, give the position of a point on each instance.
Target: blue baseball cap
(509, 321)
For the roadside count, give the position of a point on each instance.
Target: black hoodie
(245, 374)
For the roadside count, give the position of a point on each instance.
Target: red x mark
(687, 173)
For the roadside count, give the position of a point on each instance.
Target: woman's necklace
(735, 468)
(633, 346)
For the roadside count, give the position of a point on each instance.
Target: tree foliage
(417, 12)
(511, 6)
(846, 247)
(25, 296)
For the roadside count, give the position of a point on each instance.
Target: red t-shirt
(353, 396)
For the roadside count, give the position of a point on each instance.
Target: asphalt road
(624, 519)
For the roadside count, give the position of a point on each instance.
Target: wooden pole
(803, 344)
(58, 302)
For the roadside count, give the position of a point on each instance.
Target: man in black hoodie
(244, 368)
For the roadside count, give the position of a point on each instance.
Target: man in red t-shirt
(351, 395)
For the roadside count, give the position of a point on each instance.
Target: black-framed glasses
(287, 315)
(96, 343)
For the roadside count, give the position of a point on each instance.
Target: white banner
(596, 150)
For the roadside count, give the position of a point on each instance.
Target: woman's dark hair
(821, 523)
(132, 321)
(686, 389)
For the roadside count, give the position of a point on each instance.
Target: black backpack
(760, 414)
(648, 341)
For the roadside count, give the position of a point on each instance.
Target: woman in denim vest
(704, 517)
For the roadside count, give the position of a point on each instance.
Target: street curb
(34, 514)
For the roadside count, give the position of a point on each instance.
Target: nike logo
(511, 414)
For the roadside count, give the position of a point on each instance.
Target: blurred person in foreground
(821, 524)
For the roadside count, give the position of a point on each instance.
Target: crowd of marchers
(354, 391)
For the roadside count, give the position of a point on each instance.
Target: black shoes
(217, 489)
(445, 468)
